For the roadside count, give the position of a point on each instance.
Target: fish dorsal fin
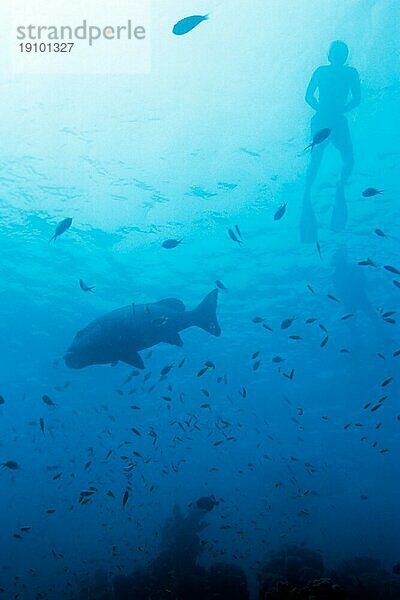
(173, 304)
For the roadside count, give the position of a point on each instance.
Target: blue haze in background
(213, 137)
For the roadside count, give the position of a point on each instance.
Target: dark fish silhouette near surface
(220, 285)
(392, 269)
(188, 23)
(61, 228)
(234, 237)
(280, 212)
(369, 192)
(84, 287)
(169, 244)
(319, 137)
(366, 263)
(122, 333)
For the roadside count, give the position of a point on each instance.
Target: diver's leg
(313, 168)
(308, 221)
(342, 141)
(348, 161)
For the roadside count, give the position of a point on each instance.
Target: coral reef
(319, 589)
(364, 578)
(292, 566)
(175, 572)
(290, 573)
(226, 581)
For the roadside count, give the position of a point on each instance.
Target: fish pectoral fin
(133, 359)
(172, 337)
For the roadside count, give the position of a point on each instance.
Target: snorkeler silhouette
(334, 82)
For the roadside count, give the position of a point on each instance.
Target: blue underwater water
(298, 444)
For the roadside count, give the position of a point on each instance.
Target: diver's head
(338, 53)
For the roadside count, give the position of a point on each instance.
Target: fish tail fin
(205, 316)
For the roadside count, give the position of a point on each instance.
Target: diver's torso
(334, 84)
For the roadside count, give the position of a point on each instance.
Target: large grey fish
(122, 333)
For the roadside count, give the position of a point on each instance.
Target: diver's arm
(355, 89)
(311, 89)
